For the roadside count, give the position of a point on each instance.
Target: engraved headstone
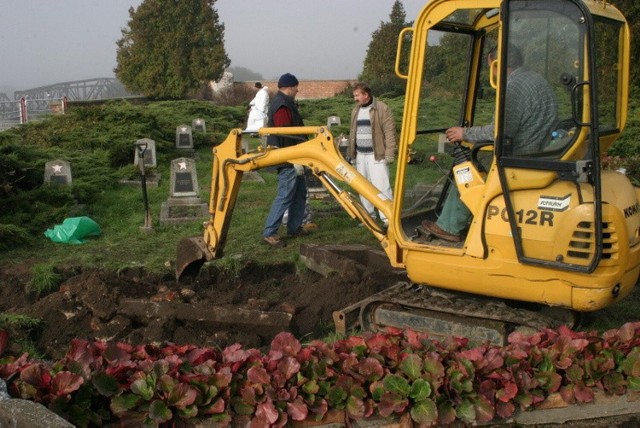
(184, 180)
(57, 172)
(149, 153)
(183, 204)
(333, 120)
(184, 138)
(199, 125)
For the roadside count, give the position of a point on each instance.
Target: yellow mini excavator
(551, 232)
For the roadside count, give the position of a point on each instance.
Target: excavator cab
(538, 203)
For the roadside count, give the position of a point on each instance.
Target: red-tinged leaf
(550, 382)
(355, 408)
(391, 403)
(564, 363)
(182, 395)
(123, 403)
(446, 413)
(4, 341)
(353, 342)
(507, 392)
(267, 411)
(492, 360)
(297, 410)
(424, 412)
(433, 366)
(215, 408)
(475, 354)
(371, 369)
(628, 331)
(288, 367)
(377, 342)
(411, 366)
(583, 393)
(484, 409)
(567, 393)
(505, 410)
(198, 356)
(414, 339)
(286, 343)
(36, 375)
(258, 375)
(64, 383)
(234, 353)
(159, 412)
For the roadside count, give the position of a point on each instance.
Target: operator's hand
(389, 159)
(455, 133)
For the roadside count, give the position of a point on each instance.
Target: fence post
(23, 110)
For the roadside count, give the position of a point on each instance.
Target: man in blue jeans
(292, 185)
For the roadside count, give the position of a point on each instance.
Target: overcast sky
(43, 42)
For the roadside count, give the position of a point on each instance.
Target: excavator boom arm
(319, 153)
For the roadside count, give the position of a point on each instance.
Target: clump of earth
(248, 305)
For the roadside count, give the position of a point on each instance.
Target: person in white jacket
(259, 108)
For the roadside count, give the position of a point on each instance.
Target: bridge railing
(25, 110)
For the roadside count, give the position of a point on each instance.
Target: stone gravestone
(152, 178)
(184, 137)
(183, 204)
(149, 154)
(198, 125)
(333, 120)
(57, 172)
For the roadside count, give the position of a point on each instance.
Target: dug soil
(248, 304)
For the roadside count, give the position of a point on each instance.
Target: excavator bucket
(192, 253)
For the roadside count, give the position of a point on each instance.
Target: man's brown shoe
(274, 241)
(434, 229)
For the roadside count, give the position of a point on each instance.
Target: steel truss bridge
(80, 90)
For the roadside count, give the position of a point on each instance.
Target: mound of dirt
(247, 305)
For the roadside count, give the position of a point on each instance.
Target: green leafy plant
(385, 374)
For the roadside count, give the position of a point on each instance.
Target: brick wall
(308, 89)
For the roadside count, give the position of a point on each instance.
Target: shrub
(375, 374)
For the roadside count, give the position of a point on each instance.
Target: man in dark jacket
(292, 185)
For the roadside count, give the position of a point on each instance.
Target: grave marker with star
(57, 172)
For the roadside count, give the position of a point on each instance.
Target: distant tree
(631, 10)
(171, 48)
(241, 74)
(379, 63)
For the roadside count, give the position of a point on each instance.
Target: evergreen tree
(631, 10)
(171, 48)
(379, 63)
